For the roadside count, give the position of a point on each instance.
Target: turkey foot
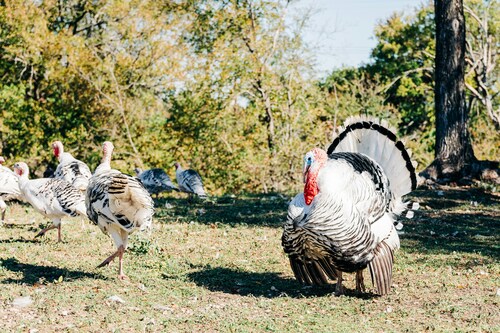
(119, 253)
(360, 282)
(108, 260)
(41, 233)
(339, 289)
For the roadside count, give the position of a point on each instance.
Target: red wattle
(310, 190)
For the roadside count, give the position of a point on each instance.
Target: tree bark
(454, 156)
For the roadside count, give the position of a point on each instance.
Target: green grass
(218, 267)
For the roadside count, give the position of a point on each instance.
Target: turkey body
(119, 204)
(9, 188)
(344, 220)
(51, 197)
(155, 181)
(74, 171)
(189, 181)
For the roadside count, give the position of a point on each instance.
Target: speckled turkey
(74, 171)
(9, 188)
(344, 221)
(119, 204)
(53, 198)
(189, 181)
(155, 181)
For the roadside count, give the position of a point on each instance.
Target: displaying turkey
(51, 197)
(9, 188)
(118, 203)
(189, 181)
(74, 171)
(155, 181)
(344, 219)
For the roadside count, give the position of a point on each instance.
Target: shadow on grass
(452, 197)
(253, 210)
(17, 240)
(452, 219)
(462, 220)
(16, 225)
(33, 273)
(268, 284)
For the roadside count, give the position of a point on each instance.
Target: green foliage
(224, 87)
(401, 75)
(403, 60)
(233, 120)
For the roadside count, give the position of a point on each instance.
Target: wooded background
(225, 87)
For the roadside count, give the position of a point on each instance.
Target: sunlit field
(218, 266)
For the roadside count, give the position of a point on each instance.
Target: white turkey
(119, 204)
(9, 187)
(155, 181)
(54, 198)
(344, 219)
(189, 181)
(74, 171)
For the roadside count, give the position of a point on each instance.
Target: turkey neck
(105, 164)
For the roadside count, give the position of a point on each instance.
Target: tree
(454, 156)
(403, 64)
(482, 56)
(403, 60)
(253, 84)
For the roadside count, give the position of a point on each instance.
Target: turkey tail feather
(299, 271)
(312, 273)
(381, 268)
(371, 137)
(316, 273)
(328, 268)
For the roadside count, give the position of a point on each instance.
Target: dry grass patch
(218, 267)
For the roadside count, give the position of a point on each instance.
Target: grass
(219, 267)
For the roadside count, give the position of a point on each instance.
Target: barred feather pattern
(374, 138)
(53, 198)
(349, 225)
(190, 181)
(76, 172)
(9, 189)
(335, 226)
(156, 180)
(119, 200)
(118, 204)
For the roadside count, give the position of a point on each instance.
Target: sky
(343, 30)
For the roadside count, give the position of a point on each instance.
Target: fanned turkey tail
(374, 138)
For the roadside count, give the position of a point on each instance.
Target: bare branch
(406, 73)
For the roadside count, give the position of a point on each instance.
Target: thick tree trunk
(454, 156)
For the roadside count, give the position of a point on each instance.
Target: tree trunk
(454, 155)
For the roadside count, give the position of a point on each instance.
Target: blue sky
(341, 31)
